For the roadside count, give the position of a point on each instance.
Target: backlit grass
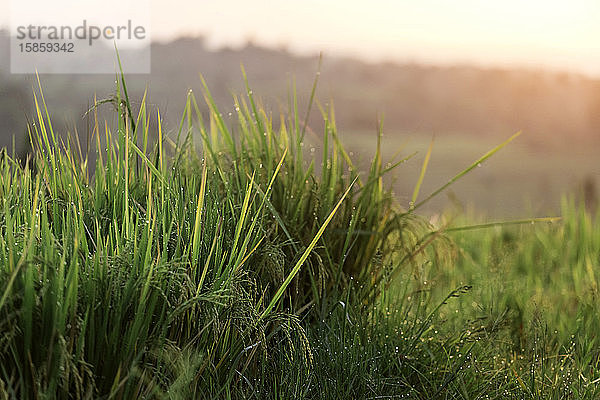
(222, 261)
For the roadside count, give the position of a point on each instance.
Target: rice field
(227, 260)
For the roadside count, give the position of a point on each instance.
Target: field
(522, 181)
(228, 260)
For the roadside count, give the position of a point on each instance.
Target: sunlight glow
(550, 33)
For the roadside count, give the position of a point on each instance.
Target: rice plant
(222, 260)
(171, 266)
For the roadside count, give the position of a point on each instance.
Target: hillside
(549, 107)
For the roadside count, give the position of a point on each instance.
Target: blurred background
(468, 74)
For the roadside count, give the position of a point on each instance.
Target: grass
(535, 290)
(220, 261)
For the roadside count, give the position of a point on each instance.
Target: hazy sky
(558, 34)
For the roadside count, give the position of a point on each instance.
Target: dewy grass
(143, 270)
(218, 262)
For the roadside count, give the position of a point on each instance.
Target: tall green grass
(222, 261)
(177, 266)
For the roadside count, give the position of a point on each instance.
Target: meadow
(522, 181)
(228, 260)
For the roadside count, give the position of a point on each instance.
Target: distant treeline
(550, 107)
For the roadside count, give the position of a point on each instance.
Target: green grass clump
(187, 268)
(219, 261)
